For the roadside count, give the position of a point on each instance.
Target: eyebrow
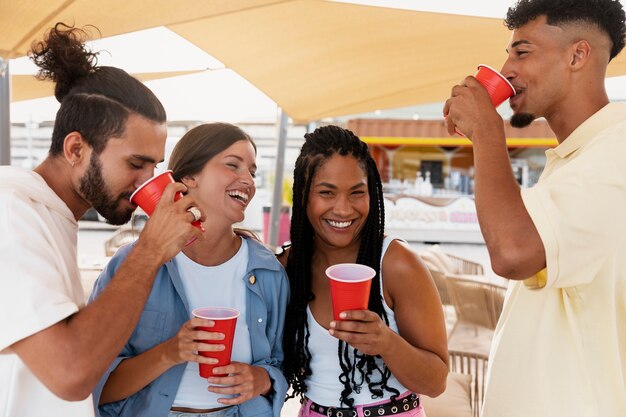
(334, 187)
(518, 43)
(147, 159)
(240, 159)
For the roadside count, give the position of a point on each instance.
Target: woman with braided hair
(375, 361)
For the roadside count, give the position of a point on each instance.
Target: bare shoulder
(404, 273)
(401, 261)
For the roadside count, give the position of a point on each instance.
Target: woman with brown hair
(156, 374)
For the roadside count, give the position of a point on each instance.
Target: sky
(220, 93)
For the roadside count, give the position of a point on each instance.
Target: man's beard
(93, 189)
(520, 120)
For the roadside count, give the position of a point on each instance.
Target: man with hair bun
(560, 346)
(108, 136)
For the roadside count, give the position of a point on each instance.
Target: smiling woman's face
(339, 201)
(225, 185)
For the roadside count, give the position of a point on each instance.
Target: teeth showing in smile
(239, 195)
(339, 225)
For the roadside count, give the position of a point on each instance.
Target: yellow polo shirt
(560, 350)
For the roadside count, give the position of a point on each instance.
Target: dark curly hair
(319, 146)
(606, 15)
(95, 101)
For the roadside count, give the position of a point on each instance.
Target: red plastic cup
(225, 322)
(149, 193)
(498, 87)
(349, 287)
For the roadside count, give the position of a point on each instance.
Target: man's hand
(169, 228)
(469, 109)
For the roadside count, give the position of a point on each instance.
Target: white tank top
(323, 386)
(222, 285)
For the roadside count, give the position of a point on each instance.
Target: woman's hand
(184, 347)
(243, 380)
(364, 330)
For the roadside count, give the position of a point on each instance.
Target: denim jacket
(166, 310)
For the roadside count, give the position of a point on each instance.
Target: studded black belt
(401, 405)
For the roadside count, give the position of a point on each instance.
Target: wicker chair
(466, 267)
(459, 266)
(442, 287)
(475, 365)
(465, 387)
(127, 233)
(121, 237)
(475, 302)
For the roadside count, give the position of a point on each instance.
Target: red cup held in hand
(498, 87)
(225, 322)
(349, 287)
(496, 84)
(149, 193)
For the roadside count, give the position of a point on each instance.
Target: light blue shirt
(167, 309)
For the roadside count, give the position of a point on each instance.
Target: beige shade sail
(23, 21)
(319, 59)
(28, 87)
(314, 58)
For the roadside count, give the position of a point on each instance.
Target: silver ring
(195, 212)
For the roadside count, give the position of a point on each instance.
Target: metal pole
(5, 115)
(277, 200)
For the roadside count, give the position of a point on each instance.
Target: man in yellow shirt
(560, 346)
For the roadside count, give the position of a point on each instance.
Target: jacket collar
(259, 257)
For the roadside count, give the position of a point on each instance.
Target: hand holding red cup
(349, 287)
(149, 193)
(496, 84)
(225, 320)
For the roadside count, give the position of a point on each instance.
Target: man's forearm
(71, 356)
(514, 245)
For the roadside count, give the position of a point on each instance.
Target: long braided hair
(356, 367)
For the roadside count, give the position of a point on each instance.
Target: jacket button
(252, 279)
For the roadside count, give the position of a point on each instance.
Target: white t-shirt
(220, 286)
(560, 350)
(39, 286)
(323, 385)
